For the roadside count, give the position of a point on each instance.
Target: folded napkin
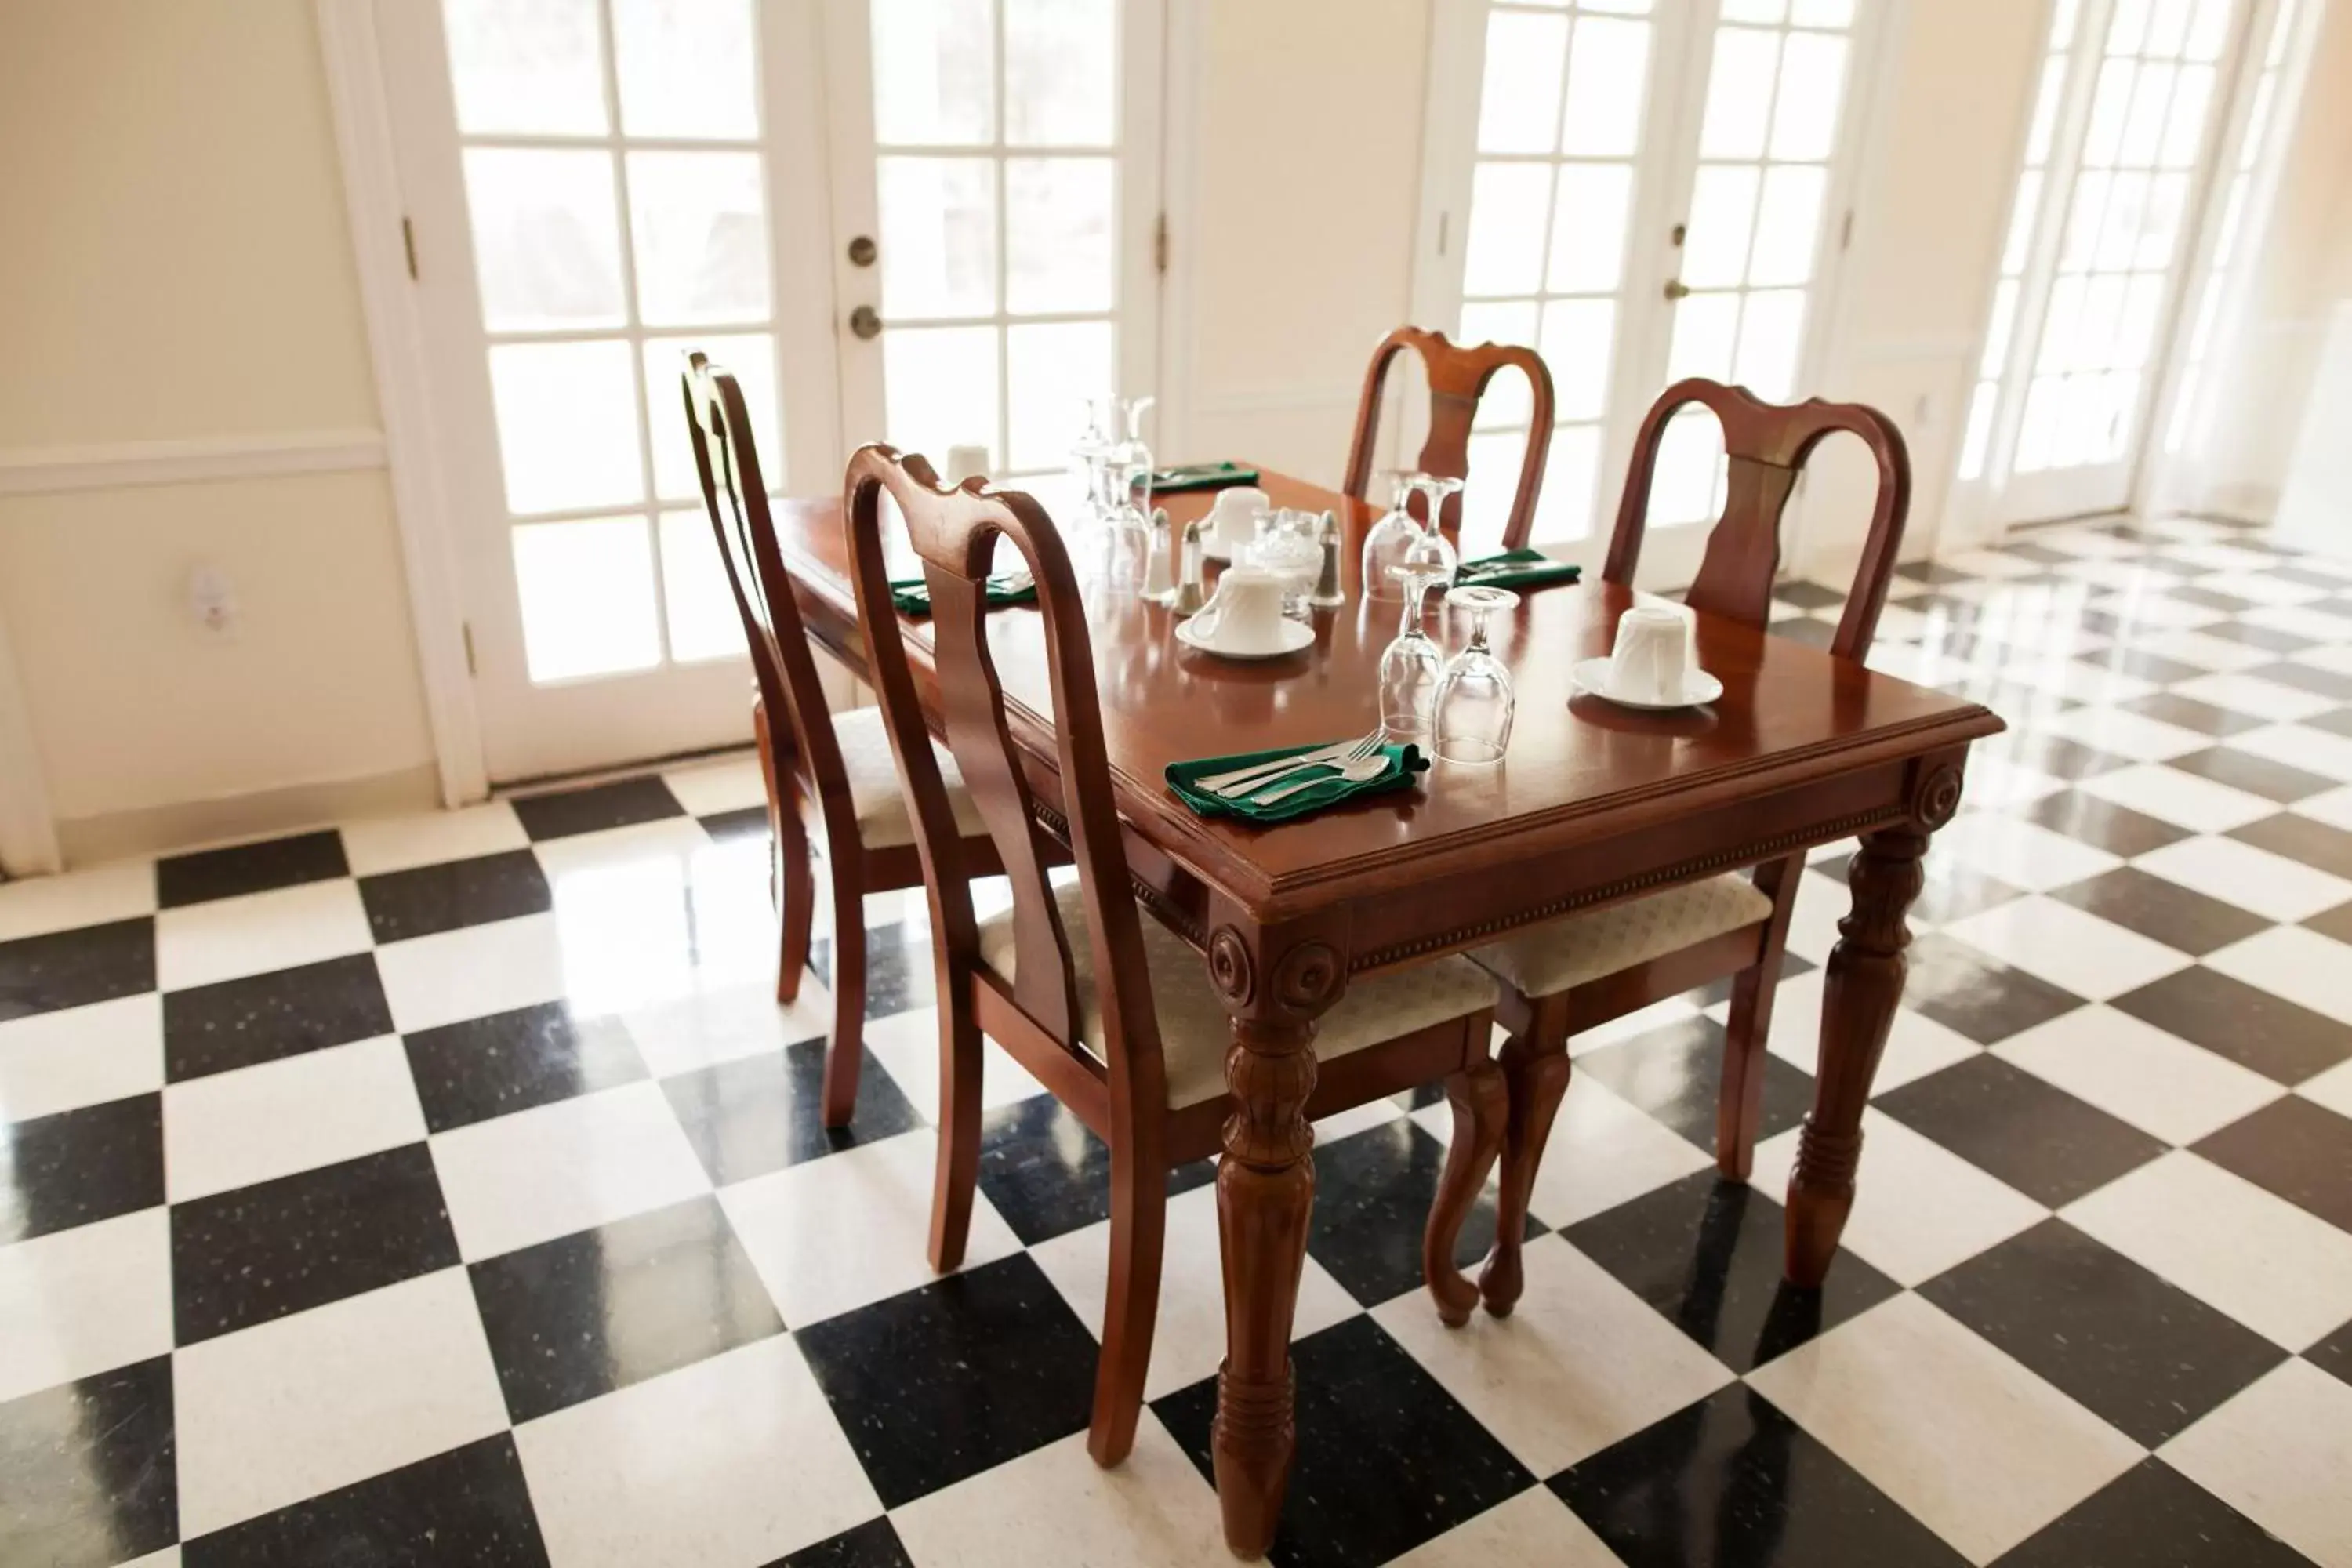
(1403, 763)
(1515, 569)
(913, 595)
(1202, 476)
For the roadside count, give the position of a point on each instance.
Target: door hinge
(408, 243)
(466, 629)
(1160, 244)
(1845, 231)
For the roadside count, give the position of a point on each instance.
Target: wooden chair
(1457, 380)
(1112, 1011)
(827, 773)
(1572, 974)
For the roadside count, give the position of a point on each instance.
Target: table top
(1578, 767)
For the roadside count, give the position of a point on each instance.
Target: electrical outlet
(211, 599)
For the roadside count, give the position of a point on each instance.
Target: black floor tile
(258, 1253)
(1675, 1073)
(2162, 910)
(1806, 630)
(2251, 1026)
(2336, 722)
(743, 822)
(1791, 965)
(1372, 1193)
(88, 1474)
(249, 869)
(1952, 889)
(74, 968)
(760, 1113)
(2152, 1516)
(2254, 774)
(2117, 829)
(2039, 1139)
(511, 1061)
(2300, 1149)
(2188, 714)
(562, 813)
(2209, 599)
(467, 1506)
(2058, 756)
(1808, 595)
(873, 1544)
(2335, 922)
(1386, 1458)
(2141, 1354)
(2334, 1353)
(1935, 573)
(578, 1317)
(2268, 638)
(1732, 1482)
(2312, 843)
(1976, 994)
(1708, 1255)
(2126, 660)
(429, 899)
(79, 1166)
(899, 975)
(1046, 1175)
(2332, 684)
(955, 1378)
(263, 1017)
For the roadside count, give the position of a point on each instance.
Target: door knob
(863, 322)
(1676, 288)
(861, 251)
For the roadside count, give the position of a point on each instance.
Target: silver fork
(1216, 783)
(1360, 771)
(1366, 747)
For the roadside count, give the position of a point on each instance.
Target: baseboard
(196, 823)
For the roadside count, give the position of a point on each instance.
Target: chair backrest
(1458, 379)
(1768, 443)
(735, 494)
(954, 533)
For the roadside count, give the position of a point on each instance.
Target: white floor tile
(2271, 885)
(2313, 750)
(471, 972)
(253, 935)
(2204, 650)
(2149, 1077)
(2256, 584)
(1604, 1151)
(287, 1410)
(2068, 947)
(704, 1028)
(2279, 1453)
(1188, 1340)
(1580, 1364)
(2334, 807)
(2019, 852)
(830, 1234)
(2298, 620)
(2170, 795)
(81, 1056)
(2284, 1273)
(1994, 783)
(556, 1169)
(1533, 1527)
(2307, 968)
(2332, 1088)
(908, 1044)
(2328, 656)
(85, 1301)
(2126, 734)
(1822, 902)
(35, 906)
(1976, 1447)
(656, 912)
(2064, 676)
(2150, 611)
(1918, 1208)
(233, 1129)
(1354, 1120)
(429, 838)
(1153, 1512)
(735, 1460)
(1641, 1021)
(726, 784)
(1916, 1045)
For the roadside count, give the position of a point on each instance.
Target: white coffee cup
(1652, 654)
(1233, 519)
(1244, 616)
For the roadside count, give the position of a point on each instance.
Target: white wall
(176, 278)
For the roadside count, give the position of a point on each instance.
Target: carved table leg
(1266, 1193)
(1865, 982)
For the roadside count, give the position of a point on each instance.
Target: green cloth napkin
(1515, 569)
(913, 595)
(1202, 476)
(1403, 763)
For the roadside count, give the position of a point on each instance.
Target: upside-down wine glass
(1410, 666)
(1475, 705)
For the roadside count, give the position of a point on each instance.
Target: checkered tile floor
(451, 1191)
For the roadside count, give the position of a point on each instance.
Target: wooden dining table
(1593, 804)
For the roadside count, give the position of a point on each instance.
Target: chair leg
(956, 1173)
(846, 1051)
(792, 881)
(1138, 1226)
(1740, 1106)
(1480, 1113)
(1535, 1073)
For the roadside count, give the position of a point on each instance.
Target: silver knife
(1321, 754)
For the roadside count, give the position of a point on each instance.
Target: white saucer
(1294, 637)
(1592, 675)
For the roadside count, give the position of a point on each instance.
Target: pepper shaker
(1329, 592)
(1158, 571)
(1192, 580)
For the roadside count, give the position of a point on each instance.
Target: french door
(1644, 190)
(925, 221)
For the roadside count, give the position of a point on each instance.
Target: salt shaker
(1158, 571)
(1192, 580)
(1328, 593)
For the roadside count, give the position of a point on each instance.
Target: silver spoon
(1361, 771)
